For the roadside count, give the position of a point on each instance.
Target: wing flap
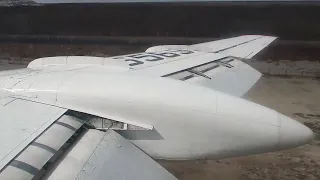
(21, 122)
(107, 155)
(47, 145)
(227, 75)
(236, 80)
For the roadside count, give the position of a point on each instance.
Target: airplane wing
(220, 67)
(61, 142)
(44, 141)
(217, 64)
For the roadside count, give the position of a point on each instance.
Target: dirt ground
(295, 97)
(17, 53)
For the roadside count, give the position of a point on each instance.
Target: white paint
(189, 121)
(193, 121)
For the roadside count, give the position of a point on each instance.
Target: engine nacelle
(175, 119)
(189, 121)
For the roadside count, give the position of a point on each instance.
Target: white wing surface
(217, 64)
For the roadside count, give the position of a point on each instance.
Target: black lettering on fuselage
(167, 54)
(146, 57)
(132, 62)
(141, 58)
(183, 51)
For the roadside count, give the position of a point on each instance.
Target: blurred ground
(110, 46)
(295, 58)
(292, 96)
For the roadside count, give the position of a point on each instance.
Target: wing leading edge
(242, 46)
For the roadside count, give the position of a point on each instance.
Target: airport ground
(291, 86)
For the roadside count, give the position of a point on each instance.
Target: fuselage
(189, 121)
